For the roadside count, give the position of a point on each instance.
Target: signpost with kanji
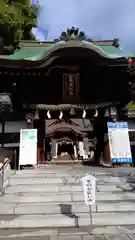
(89, 190)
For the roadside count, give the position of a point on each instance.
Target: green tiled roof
(31, 53)
(112, 50)
(35, 51)
(29, 50)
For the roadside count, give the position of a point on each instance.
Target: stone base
(106, 165)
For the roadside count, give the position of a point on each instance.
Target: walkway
(49, 201)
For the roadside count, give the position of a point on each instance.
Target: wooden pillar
(99, 128)
(36, 126)
(54, 149)
(107, 159)
(106, 151)
(41, 135)
(3, 129)
(39, 124)
(38, 154)
(80, 149)
(85, 147)
(45, 141)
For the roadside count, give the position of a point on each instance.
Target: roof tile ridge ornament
(116, 42)
(72, 34)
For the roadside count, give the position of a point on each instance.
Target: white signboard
(28, 147)
(89, 189)
(120, 150)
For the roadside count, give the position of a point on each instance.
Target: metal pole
(45, 154)
(91, 227)
(15, 162)
(2, 185)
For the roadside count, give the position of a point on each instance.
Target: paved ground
(48, 201)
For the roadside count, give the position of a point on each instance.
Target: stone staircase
(48, 201)
(66, 158)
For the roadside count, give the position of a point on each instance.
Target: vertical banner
(119, 142)
(28, 147)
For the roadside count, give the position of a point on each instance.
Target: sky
(99, 19)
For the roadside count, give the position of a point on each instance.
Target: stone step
(56, 170)
(65, 197)
(63, 234)
(52, 197)
(57, 188)
(70, 233)
(43, 189)
(62, 162)
(57, 173)
(45, 176)
(58, 220)
(73, 180)
(60, 170)
(43, 208)
(62, 174)
(55, 208)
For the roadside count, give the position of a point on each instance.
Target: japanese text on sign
(119, 142)
(89, 189)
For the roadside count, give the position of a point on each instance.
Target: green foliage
(29, 15)
(17, 19)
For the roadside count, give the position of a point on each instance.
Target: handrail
(4, 181)
(5, 162)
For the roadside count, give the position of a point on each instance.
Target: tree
(17, 19)
(29, 15)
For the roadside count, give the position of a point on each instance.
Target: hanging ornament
(84, 114)
(107, 113)
(29, 117)
(72, 111)
(36, 116)
(113, 111)
(96, 113)
(48, 114)
(61, 115)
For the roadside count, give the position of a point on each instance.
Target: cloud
(102, 19)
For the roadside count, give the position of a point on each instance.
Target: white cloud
(103, 19)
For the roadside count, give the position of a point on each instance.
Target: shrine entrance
(70, 138)
(65, 149)
(64, 139)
